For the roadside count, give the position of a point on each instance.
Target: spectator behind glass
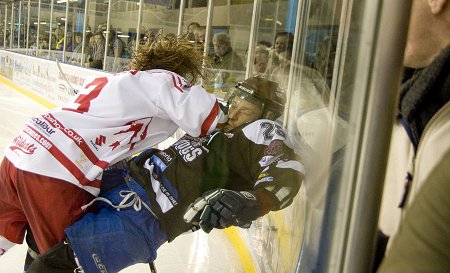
(69, 41)
(200, 34)
(76, 53)
(43, 41)
(77, 37)
(280, 73)
(96, 50)
(149, 37)
(191, 31)
(283, 41)
(261, 58)
(115, 49)
(326, 54)
(58, 41)
(422, 242)
(224, 55)
(59, 34)
(283, 45)
(115, 45)
(200, 38)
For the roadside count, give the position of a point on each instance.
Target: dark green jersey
(251, 157)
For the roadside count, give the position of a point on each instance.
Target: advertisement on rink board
(43, 77)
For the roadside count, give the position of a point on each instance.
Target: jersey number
(84, 100)
(270, 129)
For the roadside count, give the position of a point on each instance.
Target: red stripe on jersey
(210, 119)
(134, 72)
(175, 83)
(72, 110)
(61, 157)
(78, 140)
(94, 183)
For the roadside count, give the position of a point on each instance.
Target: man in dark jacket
(422, 243)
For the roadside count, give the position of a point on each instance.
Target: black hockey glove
(223, 208)
(58, 259)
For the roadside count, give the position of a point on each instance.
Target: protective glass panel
(22, 25)
(95, 43)
(74, 38)
(305, 71)
(10, 26)
(270, 57)
(158, 16)
(3, 24)
(122, 39)
(14, 25)
(33, 24)
(230, 34)
(195, 18)
(57, 19)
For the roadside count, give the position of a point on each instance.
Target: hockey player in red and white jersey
(224, 179)
(55, 164)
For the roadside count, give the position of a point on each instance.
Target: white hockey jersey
(111, 119)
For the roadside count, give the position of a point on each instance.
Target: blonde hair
(173, 53)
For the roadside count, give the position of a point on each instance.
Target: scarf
(424, 93)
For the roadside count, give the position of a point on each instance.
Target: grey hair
(222, 38)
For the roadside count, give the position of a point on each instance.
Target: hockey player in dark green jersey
(228, 178)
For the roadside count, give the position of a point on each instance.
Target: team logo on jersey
(264, 177)
(159, 163)
(136, 130)
(166, 157)
(248, 195)
(275, 148)
(67, 131)
(100, 140)
(21, 144)
(229, 135)
(169, 196)
(189, 148)
(82, 161)
(43, 126)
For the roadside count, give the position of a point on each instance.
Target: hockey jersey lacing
(130, 199)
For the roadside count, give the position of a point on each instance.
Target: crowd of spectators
(271, 60)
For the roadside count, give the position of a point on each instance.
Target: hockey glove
(223, 208)
(58, 259)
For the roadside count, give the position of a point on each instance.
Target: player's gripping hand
(223, 208)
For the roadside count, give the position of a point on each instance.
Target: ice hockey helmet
(262, 92)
